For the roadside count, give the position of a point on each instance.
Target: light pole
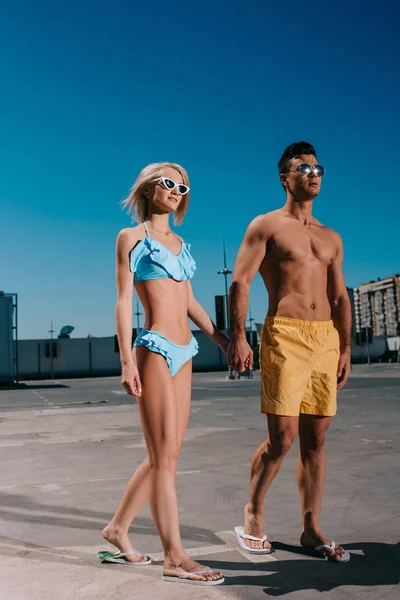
(137, 315)
(225, 272)
(251, 321)
(51, 331)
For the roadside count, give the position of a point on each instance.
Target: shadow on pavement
(39, 386)
(63, 516)
(371, 564)
(379, 564)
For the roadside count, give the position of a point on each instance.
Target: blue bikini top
(150, 259)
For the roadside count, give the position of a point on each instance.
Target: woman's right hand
(130, 379)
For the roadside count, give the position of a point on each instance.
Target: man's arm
(341, 312)
(250, 256)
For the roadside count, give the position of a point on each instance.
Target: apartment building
(376, 305)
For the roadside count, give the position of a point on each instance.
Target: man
(304, 356)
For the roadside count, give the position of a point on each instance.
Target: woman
(159, 370)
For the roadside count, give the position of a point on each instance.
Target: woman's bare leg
(158, 413)
(134, 497)
(159, 416)
(183, 390)
(138, 488)
(137, 491)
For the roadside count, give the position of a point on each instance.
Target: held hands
(343, 368)
(130, 379)
(239, 355)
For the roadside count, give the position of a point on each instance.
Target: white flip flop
(185, 578)
(119, 558)
(241, 536)
(315, 551)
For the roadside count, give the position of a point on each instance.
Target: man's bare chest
(302, 245)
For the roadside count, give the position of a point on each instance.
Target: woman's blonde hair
(137, 202)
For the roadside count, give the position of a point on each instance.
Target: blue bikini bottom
(175, 355)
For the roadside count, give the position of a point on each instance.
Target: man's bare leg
(264, 468)
(311, 479)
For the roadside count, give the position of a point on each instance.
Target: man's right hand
(130, 379)
(239, 355)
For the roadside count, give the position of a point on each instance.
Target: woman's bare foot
(254, 525)
(118, 538)
(187, 565)
(311, 539)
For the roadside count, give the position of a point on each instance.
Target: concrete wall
(85, 356)
(376, 350)
(210, 357)
(96, 356)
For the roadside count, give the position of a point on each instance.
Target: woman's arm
(130, 377)
(199, 316)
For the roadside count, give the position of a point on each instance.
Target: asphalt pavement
(68, 448)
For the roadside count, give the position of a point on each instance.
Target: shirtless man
(304, 347)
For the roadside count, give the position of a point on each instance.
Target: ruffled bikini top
(150, 259)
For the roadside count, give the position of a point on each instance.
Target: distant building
(376, 306)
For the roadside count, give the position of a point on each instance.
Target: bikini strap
(146, 228)
(177, 237)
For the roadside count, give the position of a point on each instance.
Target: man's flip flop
(241, 536)
(316, 551)
(119, 558)
(185, 578)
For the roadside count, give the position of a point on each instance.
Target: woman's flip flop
(186, 575)
(119, 558)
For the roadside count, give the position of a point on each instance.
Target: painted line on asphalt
(230, 538)
(230, 546)
(199, 551)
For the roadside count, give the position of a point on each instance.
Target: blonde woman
(159, 370)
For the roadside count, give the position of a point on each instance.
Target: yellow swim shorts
(298, 361)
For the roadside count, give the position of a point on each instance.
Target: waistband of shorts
(300, 324)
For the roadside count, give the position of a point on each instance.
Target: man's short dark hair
(294, 151)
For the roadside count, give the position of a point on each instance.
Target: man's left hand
(343, 368)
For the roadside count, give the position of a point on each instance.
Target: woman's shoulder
(129, 236)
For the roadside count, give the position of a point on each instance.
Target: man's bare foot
(254, 525)
(311, 539)
(120, 540)
(187, 565)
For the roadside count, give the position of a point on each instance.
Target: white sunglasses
(170, 184)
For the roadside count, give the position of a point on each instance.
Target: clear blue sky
(94, 91)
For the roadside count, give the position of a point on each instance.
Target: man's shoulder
(263, 223)
(329, 232)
